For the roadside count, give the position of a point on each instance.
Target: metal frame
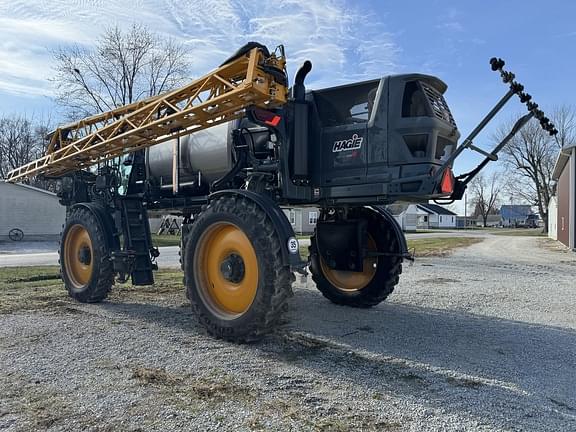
(220, 96)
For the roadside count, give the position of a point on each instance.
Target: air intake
(438, 104)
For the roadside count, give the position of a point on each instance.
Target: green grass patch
(440, 246)
(165, 240)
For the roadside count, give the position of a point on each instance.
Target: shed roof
(25, 186)
(396, 209)
(437, 209)
(561, 161)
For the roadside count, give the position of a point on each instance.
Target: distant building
(303, 220)
(422, 216)
(435, 216)
(405, 214)
(465, 222)
(518, 215)
(493, 220)
(410, 217)
(34, 212)
(565, 175)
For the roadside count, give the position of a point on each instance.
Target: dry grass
(37, 406)
(440, 246)
(553, 245)
(30, 288)
(40, 288)
(153, 376)
(35, 288)
(520, 232)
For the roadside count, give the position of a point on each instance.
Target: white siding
(446, 221)
(37, 213)
(410, 221)
(300, 219)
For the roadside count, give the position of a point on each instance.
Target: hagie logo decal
(353, 143)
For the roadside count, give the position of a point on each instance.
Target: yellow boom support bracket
(220, 96)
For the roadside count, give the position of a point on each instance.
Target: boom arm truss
(222, 95)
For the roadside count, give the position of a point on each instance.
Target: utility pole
(465, 211)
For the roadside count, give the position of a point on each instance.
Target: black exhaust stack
(299, 90)
(300, 148)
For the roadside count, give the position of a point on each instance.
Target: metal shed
(35, 212)
(565, 175)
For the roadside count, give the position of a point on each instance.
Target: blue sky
(346, 41)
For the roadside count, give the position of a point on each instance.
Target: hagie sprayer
(227, 152)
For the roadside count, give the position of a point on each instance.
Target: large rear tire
(234, 274)
(85, 264)
(379, 276)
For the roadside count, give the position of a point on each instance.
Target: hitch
(515, 88)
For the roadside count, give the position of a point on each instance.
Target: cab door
(344, 114)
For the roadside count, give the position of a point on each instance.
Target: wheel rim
(78, 254)
(226, 270)
(349, 281)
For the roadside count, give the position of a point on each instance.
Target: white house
(303, 220)
(405, 215)
(34, 212)
(435, 216)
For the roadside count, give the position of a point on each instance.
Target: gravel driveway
(481, 340)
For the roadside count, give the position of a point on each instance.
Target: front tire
(85, 264)
(379, 276)
(234, 274)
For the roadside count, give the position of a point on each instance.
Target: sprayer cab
(384, 139)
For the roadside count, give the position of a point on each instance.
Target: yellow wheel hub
(350, 281)
(226, 270)
(78, 255)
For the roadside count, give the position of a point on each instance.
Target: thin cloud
(344, 43)
(453, 26)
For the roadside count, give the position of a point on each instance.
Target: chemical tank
(205, 156)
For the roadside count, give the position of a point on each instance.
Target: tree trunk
(545, 222)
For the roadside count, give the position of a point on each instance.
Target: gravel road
(46, 253)
(481, 340)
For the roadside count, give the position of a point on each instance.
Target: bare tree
(19, 143)
(531, 156)
(22, 140)
(485, 195)
(123, 67)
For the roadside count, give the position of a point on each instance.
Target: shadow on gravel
(503, 373)
(491, 361)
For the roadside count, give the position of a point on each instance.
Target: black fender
(278, 218)
(105, 220)
(396, 229)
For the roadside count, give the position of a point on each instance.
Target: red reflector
(447, 183)
(267, 117)
(274, 122)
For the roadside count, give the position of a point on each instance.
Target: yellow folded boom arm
(220, 96)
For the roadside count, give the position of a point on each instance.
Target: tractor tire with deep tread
(379, 283)
(84, 257)
(245, 307)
